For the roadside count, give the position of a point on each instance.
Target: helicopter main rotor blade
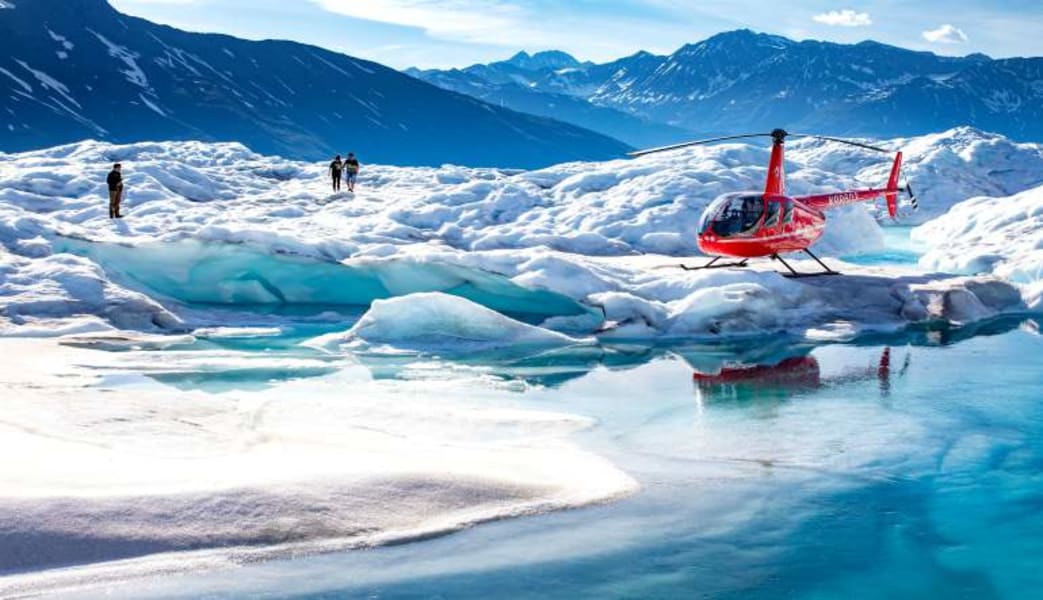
(840, 141)
(697, 143)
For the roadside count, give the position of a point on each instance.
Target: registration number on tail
(843, 198)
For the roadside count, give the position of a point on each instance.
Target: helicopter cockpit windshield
(733, 214)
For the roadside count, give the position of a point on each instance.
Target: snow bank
(63, 285)
(1003, 236)
(111, 472)
(439, 321)
(649, 205)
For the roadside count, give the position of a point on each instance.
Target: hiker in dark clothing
(351, 171)
(115, 182)
(335, 168)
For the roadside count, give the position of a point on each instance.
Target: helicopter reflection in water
(790, 376)
(750, 369)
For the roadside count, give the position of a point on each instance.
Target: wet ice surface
(823, 474)
(226, 456)
(830, 477)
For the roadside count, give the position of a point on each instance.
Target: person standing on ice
(115, 182)
(351, 171)
(335, 168)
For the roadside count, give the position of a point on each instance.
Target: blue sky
(453, 33)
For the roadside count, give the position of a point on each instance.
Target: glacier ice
(219, 224)
(1003, 236)
(241, 274)
(432, 321)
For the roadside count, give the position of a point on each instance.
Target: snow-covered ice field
(374, 330)
(217, 224)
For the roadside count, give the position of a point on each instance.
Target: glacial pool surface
(902, 466)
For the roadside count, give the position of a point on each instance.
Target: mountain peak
(548, 59)
(76, 13)
(740, 38)
(80, 69)
(61, 5)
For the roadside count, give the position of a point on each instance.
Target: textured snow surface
(437, 320)
(1003, 236)
(218, 224)
(113, 465)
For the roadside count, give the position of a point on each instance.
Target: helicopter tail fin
(892, 186)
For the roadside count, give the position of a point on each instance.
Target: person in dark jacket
(335, 168)
(115, 181)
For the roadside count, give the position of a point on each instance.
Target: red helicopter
(749, 225)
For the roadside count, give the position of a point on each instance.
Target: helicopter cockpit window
(734, 214)
(774, 212)
(787, 213)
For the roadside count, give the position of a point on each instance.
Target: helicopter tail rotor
(912, 196)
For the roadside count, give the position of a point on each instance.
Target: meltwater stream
(901, 466)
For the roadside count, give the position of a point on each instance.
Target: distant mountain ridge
(507, 84)
(548, 59)
(742, 81)
(76, 69)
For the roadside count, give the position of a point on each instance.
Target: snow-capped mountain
(507, 86)
(549, 59)
(743, 81)
(75, 69)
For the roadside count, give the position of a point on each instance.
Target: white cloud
(946, 34)
(476, 21)
(521, 24)
(844, 18)
(148, 2)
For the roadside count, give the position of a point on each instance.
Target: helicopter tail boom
(890, 193)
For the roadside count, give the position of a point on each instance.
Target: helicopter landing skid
(794, 274)
(713, 264)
